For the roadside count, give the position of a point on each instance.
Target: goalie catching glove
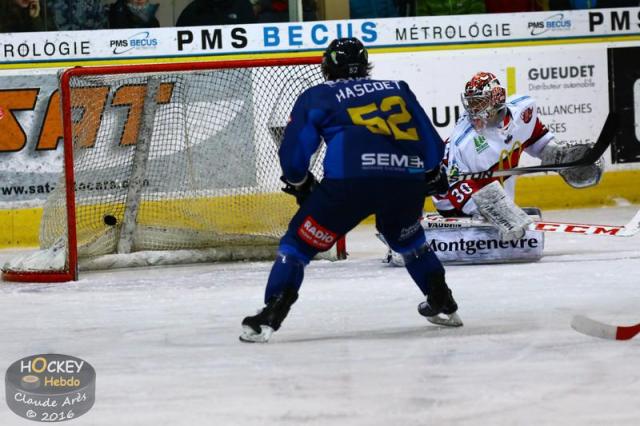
(578, 177)
(300, 190)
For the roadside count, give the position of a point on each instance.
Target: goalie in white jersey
(491, 135)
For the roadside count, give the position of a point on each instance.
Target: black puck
(110, 220)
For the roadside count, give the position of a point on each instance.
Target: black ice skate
(260, 327)
(440, 307)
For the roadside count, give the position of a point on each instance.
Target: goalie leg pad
(498, 208)
(577, 177)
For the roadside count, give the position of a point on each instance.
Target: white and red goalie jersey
(492, 148)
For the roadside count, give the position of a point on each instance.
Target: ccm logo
(315, 235)
(577, 229)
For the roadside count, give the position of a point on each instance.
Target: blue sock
(287, 272)
(421, 264)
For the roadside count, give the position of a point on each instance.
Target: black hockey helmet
(345, 58)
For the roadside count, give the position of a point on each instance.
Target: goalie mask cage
(170, 163)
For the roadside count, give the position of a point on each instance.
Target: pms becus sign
(50, 387)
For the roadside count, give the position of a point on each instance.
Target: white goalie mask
(483, 98)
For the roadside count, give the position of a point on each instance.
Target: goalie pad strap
(496, 206)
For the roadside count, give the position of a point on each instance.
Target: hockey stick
(431, 220)
(594, 328)
(596, 151)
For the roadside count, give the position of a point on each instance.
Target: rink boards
(566, 68)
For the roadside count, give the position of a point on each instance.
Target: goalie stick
(596, 151)
(594, 328)
(432, 220)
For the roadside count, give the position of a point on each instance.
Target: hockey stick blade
(596, 151)
(631, 228)
(594, 328)
(431, 221)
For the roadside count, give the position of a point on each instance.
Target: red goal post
(169, 163)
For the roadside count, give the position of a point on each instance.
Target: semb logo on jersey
(316, 235)
(386, 161)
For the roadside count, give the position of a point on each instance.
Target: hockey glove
(436, 181)
(578, 177)
(302, 190)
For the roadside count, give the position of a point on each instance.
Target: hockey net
(169, 163)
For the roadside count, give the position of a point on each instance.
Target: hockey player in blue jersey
(383, 157)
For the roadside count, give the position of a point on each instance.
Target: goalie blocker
(458, 244)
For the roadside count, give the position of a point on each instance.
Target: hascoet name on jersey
(361, 89)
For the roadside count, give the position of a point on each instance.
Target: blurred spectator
(566, 4)
(406, 7)
(603, 4)
(23, 16)
(271, 10)
(367, 9)
(216, 12)
(78, 14)
(590, 4)
(133, 14)
(510, 6)
(449, 7)
(278, 10)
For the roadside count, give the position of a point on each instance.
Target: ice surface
(164, 341)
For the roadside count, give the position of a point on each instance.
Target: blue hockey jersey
(371, 128)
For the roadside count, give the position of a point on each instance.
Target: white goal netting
(176, 160)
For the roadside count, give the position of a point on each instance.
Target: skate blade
(250, 336)
(452, 320)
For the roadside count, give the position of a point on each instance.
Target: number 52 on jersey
(372, 117)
